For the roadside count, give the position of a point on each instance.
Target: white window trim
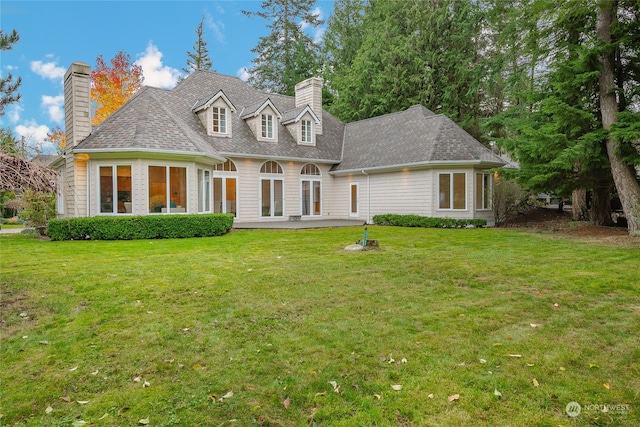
(168, 190)
(451, 194)
(226, 120)
(303, 124)
(224, 175)
(482, 175)
(114, 176)
(264, 131)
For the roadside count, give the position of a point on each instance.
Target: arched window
(271, 167)
(271, 190)
(227, 166)
(310, 169)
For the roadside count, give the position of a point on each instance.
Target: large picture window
(167, 189)
(452, 191)
(483, 191)
(115, 189)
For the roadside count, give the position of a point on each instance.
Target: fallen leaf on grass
(497, 393)
(535, 383)
(430, 395)
(79, 423)
(334, 385)
(497, 344)
(146, 384)
(483, 361)
(228, 395)
(453, 397)
(83, 402)
(48, 410)
(377, 396)
(404, 360)
(397, 387)
(607, 386)
(514, 355)
(44, 342)
(593, 365)
(106, 414)
(322, 393)
(144, 421)
(95, 372)
(562, 368)
(65, 399)
(136, 380)
(287, 403)
(73, 369)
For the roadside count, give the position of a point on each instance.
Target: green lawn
(479, 327)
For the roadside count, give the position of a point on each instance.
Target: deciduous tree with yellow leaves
(112, 86)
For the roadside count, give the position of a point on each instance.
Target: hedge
(427, 222)
(139, 227)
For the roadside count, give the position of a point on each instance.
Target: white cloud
(243, 73)
(13, 113)
(216, 26)
(156, 74)
(34, 136)
(48, 70)
(54, 106)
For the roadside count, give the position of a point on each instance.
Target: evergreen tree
(199, 59)
(430, 56)
(8, 86)
(287, 55)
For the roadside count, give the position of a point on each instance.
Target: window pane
(266, 197)
(354, 199)
(445, 191)
(217, 195)
(178, 189)
(124, 189)
(157, 188)
(316, 197)
(106, 189)
(306, 198)
(487, 191)
(231, 196)
(277, 198)
(479, 194)
(459, 191)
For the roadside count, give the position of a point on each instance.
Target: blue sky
(156, 34)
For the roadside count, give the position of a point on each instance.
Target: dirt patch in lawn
(553, 221)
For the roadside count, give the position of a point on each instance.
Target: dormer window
(267, 126)
(215, 114)
(219, 120)
(306, 128)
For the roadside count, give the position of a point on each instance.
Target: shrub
(426, 222)
(139, 227)
(38, 207)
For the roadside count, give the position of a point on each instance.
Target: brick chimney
(309, 92)
(77, 103)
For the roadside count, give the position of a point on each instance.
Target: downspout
(368, 196)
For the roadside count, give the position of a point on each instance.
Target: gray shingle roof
(163, 120)
(415, 136)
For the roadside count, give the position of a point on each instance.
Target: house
(215, 144)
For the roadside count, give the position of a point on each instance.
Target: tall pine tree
(198, 58)
(287, 55)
